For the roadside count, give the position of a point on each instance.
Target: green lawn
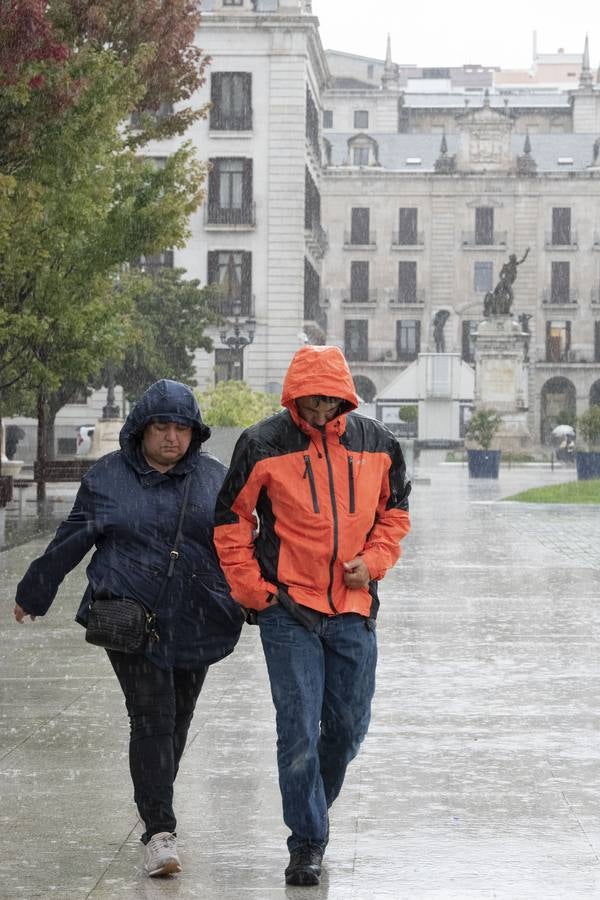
(571, 492)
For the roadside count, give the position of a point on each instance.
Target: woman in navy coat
(128, 507)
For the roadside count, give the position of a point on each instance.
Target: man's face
(165, 443)
(317, 410)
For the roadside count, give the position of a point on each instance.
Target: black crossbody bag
(126, 624)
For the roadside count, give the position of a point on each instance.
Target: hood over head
(167, 401)
(319, 370)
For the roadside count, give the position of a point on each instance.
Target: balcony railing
(595, 296)
(229, 307)
(317, 238)
(472, 239)
(397, 297)
(362, 240)
(400, 241)
(231, 217)
(368, 297)
(564, 298)
(561, 242)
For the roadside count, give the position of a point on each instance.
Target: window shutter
(246, 284)
(215, 99)
(247, 191)
(213, 186)
(212, 267)
(418, 336)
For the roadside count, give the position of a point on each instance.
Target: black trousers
(160, 704)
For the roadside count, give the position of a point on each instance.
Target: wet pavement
(480, 777)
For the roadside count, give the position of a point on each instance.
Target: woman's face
(165, 443)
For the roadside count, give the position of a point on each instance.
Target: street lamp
(239, 335)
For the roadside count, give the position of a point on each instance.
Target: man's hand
(21, 615)
(356, 573)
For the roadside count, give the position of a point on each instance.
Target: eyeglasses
(316, 401)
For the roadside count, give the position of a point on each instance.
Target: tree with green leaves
(235, 403)
(77, 202)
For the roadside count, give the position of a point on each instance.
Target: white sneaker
(161, 855)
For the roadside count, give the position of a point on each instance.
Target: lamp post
(239, 334)
(111, 410)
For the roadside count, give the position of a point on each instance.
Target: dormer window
(362, 151)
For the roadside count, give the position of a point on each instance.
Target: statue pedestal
(501, 379)
(106, 437)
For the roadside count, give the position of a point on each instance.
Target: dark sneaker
(305, 865)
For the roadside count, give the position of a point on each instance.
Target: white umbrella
(563, 430)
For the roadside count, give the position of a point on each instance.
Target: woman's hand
(21, 615)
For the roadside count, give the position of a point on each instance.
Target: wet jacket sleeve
(235, 529)
(74, 538)
(392, 521)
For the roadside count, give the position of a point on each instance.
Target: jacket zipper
(335, 525)
(351, 483)
(311, 480)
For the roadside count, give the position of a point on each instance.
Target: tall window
(229, 365)
(468, 343)
(407, 225)
(408, 338)
(359, 281)
(232, 271)
(558, 341)
(559, 282)
(327, 118)
(356, 340)
(360, 156)
(596, 341)
(361, 118)
(483, 276)
(233, 2)
(359, 229)
(484, 225)
(230, 191)
(231, 98)
(561, 225)
(407, 281)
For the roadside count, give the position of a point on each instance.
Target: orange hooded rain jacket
(321, 497)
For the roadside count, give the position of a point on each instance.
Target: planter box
(588, 465)
(483, 463)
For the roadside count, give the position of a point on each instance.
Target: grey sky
(460, 31)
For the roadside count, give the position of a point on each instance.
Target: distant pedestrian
(331, 498)
(128, 506)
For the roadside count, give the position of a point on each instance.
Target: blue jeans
(322, 684)
(160, 703)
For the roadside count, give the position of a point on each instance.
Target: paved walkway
(480, 777)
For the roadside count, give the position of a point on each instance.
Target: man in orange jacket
(329, 490)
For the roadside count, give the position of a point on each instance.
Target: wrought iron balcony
(562, 298)
(397, 297)
(407, 241)
(473, 239)
(364, 298)
(561, 241)
(362, 240)
(595, 296)
(223, 217)
(317, 239)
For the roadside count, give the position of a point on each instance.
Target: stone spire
(444, 164)
(586, 79)
(390, 77)
(526, 164)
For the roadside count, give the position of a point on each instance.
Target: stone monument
(501, 365)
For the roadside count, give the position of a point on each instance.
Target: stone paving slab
(480, 777)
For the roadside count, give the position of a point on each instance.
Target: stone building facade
(351, 199)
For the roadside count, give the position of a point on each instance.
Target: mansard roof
(418, 152)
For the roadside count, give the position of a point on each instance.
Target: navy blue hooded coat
(129, 511)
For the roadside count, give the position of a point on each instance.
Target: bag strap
(174, 553)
